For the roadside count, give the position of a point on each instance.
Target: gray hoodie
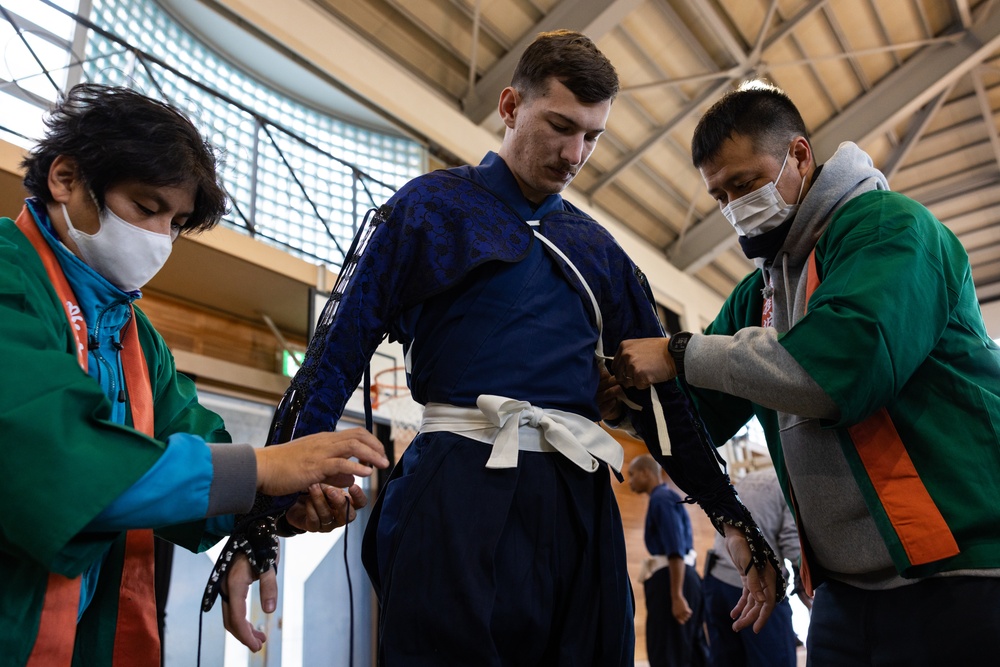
(752, 364)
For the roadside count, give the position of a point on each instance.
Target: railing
(268, 135)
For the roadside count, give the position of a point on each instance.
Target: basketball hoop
(404, 419)
(393, 398)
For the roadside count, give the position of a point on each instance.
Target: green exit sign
(290, 362)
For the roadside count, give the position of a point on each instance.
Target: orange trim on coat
(918, 523)
(26, 224)
(57, 624)
(922, 530)
(137, 636)
(805, 574)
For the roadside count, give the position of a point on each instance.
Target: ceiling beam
(973, 220)
(745, 68)
(918, 124)
(660, 132)
(986, 109)
(910, 87)
(987, 293)
(967, 180)
(594, 18)
(961, 10)
(898, 95)
(719, 29)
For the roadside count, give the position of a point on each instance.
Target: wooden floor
(633, 510)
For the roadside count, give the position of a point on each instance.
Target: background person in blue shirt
(675, 612)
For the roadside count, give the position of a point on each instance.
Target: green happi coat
(62, 461)
(893, 323)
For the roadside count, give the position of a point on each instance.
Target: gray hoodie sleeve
(753, 365)
(234, 479)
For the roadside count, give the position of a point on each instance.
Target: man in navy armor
(497, 540)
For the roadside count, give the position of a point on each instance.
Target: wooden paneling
(195, 329)
(12, 194)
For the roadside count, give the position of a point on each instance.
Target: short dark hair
(647, 463)
(571, 58)
(117, 135)
(757, 110)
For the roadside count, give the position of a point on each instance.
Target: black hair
(757, 110)
(571, 58)
(117, 135)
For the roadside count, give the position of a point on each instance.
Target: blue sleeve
(668, 529)
(350, 329)
(174, 490)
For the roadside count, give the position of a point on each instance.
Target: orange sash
(137, 640)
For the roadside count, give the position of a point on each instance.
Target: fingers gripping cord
(260, 544)
(723, 506)
(761, 554)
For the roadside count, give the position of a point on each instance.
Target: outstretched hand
(319, 458)
(321, 465)
(322, 509)
(759, 586)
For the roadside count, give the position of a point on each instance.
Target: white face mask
(761, 210)
(128, 256)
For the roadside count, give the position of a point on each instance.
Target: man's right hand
(325, 508)
(642, 362)
(680, 608)
(319, 458)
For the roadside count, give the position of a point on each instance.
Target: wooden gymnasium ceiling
(915, 83)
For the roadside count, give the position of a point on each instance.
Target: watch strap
(677, 346)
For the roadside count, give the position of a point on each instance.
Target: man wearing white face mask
(859, 345)
(101, 439)
(126, 254)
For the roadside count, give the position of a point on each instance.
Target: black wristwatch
(676, 346)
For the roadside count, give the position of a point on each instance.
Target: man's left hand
(759, 586)
(235, 590)
(680, 608)
(609, 395)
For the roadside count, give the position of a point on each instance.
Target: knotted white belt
(653, 564)
(511, 425)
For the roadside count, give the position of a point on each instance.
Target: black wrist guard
(696, 467)
(255, 534)
(286, 529)
(259, 541)
(723, 507)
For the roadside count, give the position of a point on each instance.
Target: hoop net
(404, 419)
(393, 399)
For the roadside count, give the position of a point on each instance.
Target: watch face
(678, 343)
